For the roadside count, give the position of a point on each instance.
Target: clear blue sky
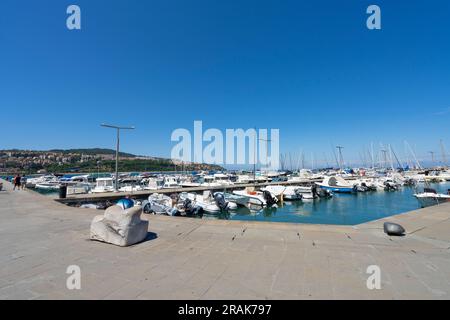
(310, 68)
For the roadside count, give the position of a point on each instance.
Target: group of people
(19, 182)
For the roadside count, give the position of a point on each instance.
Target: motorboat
(131, 188)
(79, 188)
(336, 184)
(43, 181)
(243, 179)
(130, 183)
(188, 182)
(257, 198)
(103, 185)
(151, 184)
(160, 204)
(217, 180)
(170, 182)
(430, 197)
(287, 192)
(48, 186)
(207, 201)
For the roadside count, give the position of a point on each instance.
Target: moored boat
(336, 184)
(430, 197)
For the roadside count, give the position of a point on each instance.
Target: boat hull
(338, 189)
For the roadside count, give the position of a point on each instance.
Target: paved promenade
(208, 259)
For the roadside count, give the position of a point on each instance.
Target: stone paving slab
(214, 259)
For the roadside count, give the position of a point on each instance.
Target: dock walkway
(214, 259)
(95, 197)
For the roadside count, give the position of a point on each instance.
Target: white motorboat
(42, 180)
(103, 185)
(49, 186)
(217, 180)
(336, 184)
(170, 182)
(131, 188)
(257, 198)
(287, 192)
(188, 182)
(79, 188)
(151, 184)
(160, 204)
(243, 179)
(207, 201)
(430, 197)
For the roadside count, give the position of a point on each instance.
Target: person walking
(17, 182)
(23, 182)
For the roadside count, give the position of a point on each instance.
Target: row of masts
(385, 157)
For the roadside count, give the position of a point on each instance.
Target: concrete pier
(95, 197)
(186, 258)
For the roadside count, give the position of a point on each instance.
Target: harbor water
(342, 209)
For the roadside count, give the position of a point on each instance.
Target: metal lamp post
(117, 149)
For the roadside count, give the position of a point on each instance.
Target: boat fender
(393, 229)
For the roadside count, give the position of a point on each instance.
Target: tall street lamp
(117, 149)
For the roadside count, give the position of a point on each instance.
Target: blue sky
(310, 68)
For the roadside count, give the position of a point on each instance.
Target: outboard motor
(190, 210)
(388, 186)
(146, 207)
(324, 193)
(269, 199)
(219, 198)
(314, 191)
(298, 193)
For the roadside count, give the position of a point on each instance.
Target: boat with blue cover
(336, 184)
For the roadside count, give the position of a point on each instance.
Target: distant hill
(94, 151)
(32, 161)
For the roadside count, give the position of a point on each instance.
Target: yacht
(430, 197)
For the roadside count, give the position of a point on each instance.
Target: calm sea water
(342, 209)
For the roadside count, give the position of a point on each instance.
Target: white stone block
(120, 227)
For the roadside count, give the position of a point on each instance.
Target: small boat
(287, 192)
(103, 185)
(79, 188)
(48, 186)
(170, 182)
(131, 188)
(257, 198)
(32, 182)
(336, 184)
(430, 197)
(208, 202)
(160, 204)
(151, 184)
